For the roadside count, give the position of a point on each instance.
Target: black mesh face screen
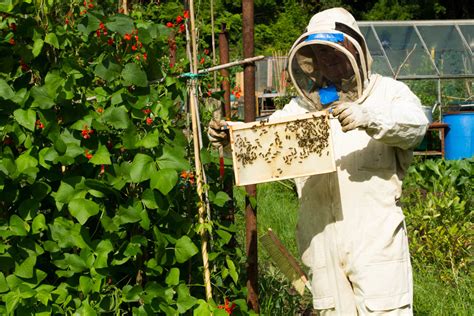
(341, 27)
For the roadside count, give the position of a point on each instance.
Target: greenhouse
(407, 50)
(434, 58)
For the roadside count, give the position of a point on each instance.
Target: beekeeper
(351, 230)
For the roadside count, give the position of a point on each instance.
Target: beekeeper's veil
(320, 81)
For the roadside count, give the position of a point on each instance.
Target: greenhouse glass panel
(379, 64)
(261, 69)
(405, 50)
(468, 33)
(447, 49)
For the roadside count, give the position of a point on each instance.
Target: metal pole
(249, 116)
(213, 43)
(224, 56)
(231, 64)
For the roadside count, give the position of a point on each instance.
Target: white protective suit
(351, 230)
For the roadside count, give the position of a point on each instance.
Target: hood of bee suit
(334, 30)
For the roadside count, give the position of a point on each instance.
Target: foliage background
(98, 207)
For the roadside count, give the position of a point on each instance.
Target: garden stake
(250, 210)
(197, 159)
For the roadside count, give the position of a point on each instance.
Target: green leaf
(150, 140)
(52, 39)
(26, 118)
(202, 309)
(102, 252)
(220, 198)
(41, 98)
(18, 226)
(149, 199)
(142, 168)
(108, 70)
(52, 82)
(174, 158)
(25, 162)
(67, 233)
(173, 277)
(184, 249)
(38, 224)
(101, 156)
(6, 92)
(232, 271)
(132, 74)
(43, 294)
(164, 180)
(6, 6)
(82, 209)
(26, 268)
(116, 98)
(128, 215)
(40, 190)
(85, 284)
(132, 294)
(12, 299)
(117, 117)
(3, 283)
(37, 47)
(121, 24)
(185, 301)
(64, 193)
(85, 310)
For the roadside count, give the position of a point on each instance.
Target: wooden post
(224, 57)
(250, 211)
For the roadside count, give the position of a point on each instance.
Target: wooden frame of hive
(283, 148)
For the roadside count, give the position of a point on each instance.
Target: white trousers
(342, 287)
(358, 257)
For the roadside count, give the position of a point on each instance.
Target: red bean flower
(127, 37)
(179, 19)
(86, 132)
(149, 121)
(186, 14)
(227, 307)
(169, 24)
(88, 154)
(39, 124)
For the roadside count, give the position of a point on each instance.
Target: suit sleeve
(397, 118)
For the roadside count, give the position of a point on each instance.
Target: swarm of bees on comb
(306, 137)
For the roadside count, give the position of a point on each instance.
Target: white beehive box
(283, 148)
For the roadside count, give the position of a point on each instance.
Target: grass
(277, 206)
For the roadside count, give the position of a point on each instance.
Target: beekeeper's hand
(218, 133)
(351, 116)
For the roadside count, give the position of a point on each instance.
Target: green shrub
(438, 204)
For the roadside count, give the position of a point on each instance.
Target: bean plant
(98, 205)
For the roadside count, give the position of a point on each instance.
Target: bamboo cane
(197, 159)
(232, 64)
